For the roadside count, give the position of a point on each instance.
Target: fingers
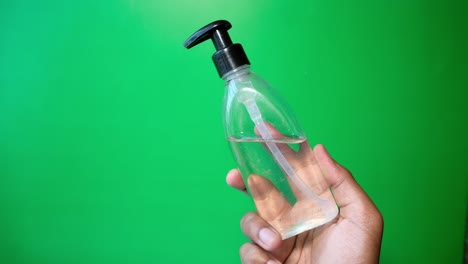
(260, 232)
(275, 134)
(354, 203)
(234, 179)
(251, 254)
(270, 202)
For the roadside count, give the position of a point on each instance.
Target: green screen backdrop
(112, 148)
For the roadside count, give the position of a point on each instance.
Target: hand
(354, 236)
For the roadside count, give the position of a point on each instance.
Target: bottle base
(302, 227)
(287, 230)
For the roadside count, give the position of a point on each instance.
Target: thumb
(354, 203)
(346, 190)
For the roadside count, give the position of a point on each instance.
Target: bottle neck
(237, 72)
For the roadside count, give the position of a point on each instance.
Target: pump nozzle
(228, 56)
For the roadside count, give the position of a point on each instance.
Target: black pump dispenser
(228, 56)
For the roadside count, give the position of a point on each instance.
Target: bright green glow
(111, 141)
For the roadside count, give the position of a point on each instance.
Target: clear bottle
(271, 150)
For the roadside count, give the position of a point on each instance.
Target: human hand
(354, 236)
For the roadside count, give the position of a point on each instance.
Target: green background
(112, 148)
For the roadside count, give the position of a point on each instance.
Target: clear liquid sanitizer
(278, 166)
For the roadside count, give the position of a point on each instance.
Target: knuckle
(244, 249)
(246, 253)
(343, 170)
(378, 219)
(247, 219)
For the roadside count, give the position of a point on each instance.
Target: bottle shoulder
(248, 99)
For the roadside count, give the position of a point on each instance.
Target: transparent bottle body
(278, 166)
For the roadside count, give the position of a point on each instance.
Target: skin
(354, 236)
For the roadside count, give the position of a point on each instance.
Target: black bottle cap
(228, 56)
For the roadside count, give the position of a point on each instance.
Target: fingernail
(272, 262)
(267, 236)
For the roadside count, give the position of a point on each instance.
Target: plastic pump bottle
(278, 166)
